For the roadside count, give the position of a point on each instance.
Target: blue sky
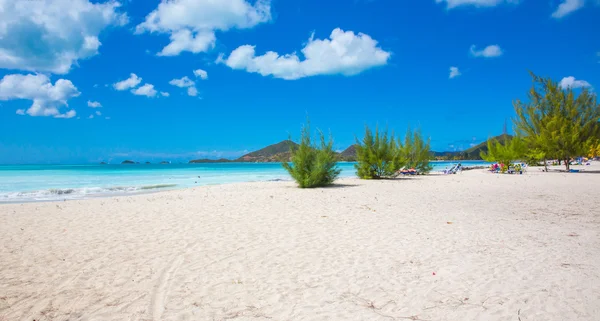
(255, 69)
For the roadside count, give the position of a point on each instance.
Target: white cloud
(201, 73)
(344, 53)
(94, 104)
(62, 31)
(91, 116)
(191, 24)
(186, 82)
(98, 113)
(571, 82)
(47, 98)
(145, 90)
(182, 82)
(566, 7)
(185, 40)
(454, 72)
(128, 83)
(487, 52)
(192, 91)
(450, 4)
(70, 114)
(165, 94)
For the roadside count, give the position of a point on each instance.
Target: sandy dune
(474, 246)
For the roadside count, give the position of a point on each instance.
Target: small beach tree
(417, 151)
(378, 155)
(312, 165)
(556, 122)
(505, 152)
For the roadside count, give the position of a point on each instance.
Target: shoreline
(83, 182)
(159, 188)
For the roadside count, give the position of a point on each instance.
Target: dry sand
(473, 246)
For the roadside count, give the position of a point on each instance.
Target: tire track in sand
(162, 288)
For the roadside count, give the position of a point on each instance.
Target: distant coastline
(280, 152)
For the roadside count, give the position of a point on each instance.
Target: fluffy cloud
(47, 98)
(69, 114)
(94, 104)
(450, 4)
(571, 82)
(182, 82)
(132, 83)
(62, 31)
(145, 90)
(343, 53)
(98, 113)
(185, 40)
(454, 72)
(191, 24)
(186, 82)
(192, 91)
(128, 83)
(165, 94)
(487, 52)
(566, 7)
(201, 73)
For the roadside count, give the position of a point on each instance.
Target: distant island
(281, 152)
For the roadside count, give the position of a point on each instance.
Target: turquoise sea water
(24, 183)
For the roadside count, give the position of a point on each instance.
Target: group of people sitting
(410, 171)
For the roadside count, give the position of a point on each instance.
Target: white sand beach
(472, 246)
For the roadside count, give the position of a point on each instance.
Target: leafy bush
(312, 166)
(507, 153)
(378, 155)
(416, 151)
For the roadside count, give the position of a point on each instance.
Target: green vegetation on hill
(272, 153)
(475, 151)
(349, 154)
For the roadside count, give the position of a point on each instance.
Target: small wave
(76, 193)
(158, 186)
(58, 191)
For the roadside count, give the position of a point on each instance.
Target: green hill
(271, 153)
(475, 151)
(471, 153)
(349, 154)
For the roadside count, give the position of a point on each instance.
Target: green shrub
(417, 151)
(312, 166)
(378, 156)
(505, 153)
